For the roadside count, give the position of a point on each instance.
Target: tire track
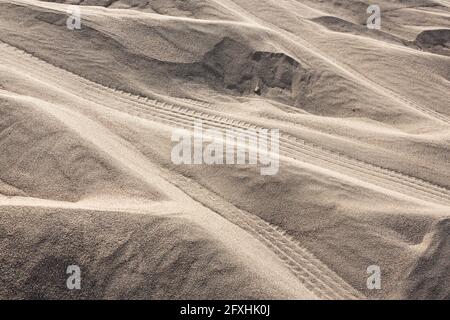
(309, 270)
(313, 273)
(291, 146)
(316, 276)
(291, 41)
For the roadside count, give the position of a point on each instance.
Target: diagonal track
(317, 277)
(290, 42)
(182, 116)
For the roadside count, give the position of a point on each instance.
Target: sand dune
(86, 176)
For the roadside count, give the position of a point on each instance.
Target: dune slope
(86, 177)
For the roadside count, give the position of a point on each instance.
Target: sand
(86, 178)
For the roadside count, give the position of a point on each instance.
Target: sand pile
(45, 160)
(121, 256)
(435, 41)
(86, 178)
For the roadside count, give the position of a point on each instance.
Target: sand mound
(364, 175)
(236, 68)
(146, 57)
(437, 41)
(429, 275)
(121, 256)
(113, 51)
(301, 203)
(45, 160)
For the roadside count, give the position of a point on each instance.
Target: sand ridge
(363, 178)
